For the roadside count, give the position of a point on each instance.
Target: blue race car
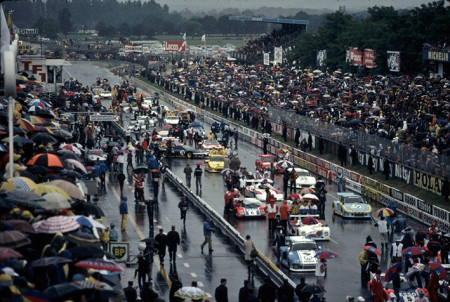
(351, 205)
(299, 254)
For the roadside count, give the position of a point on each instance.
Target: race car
(94, 154)
(259, 192)
(351, 205)
(216, 160)
(249, 208)
(304, 179)
(105, 94)
(407, 292)
(165, 131)
(172, 120)
(209, 144)
(309, 227)
(299, 254)
(183, 151)
(264, 161)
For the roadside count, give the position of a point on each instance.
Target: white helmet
(141, 247)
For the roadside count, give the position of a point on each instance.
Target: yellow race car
(216, 160)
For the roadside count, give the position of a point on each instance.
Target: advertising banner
(278, 55)
(175, 46)
(266, 58)
(427, 182)
(130, 48)
(437, 56)
(356, 57)
(369, 58)
(321, 57)
(393, 61)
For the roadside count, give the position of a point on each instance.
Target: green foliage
(47, 28)
(384, 29)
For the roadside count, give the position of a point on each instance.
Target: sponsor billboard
(356, 57)
(130, 48)
(369, 58)
(175, 46)
(266, 58)
(436, 55)
(278, 55)
(393, 61)
(321, 57)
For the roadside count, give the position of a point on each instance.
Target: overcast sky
(206, 5)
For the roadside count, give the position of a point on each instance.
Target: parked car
(259, 192)
(249, 208)
(264, 161)
(309, 227)
(305, 179)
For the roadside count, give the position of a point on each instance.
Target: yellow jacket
(104, 236)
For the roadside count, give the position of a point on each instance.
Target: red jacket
(284, 211)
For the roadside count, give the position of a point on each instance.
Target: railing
(265, 266)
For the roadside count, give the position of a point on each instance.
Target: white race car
(304, 179)
(172, 120)
(259, 192)
(299, 254)
(105, 94)
(309, 227)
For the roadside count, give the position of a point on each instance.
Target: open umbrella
(313, 289)
(310, 197)
(326, 255)
(19, 184)
(59, 291)
(77, 164)
(46, 159)
(25, 124)
(44, 188)
(309, 220)
(100, 264)
(413, 251)
(84, 252)
(55, 201)
(285, 164)
(81, 238)
(38, 169)
(88, 208)
(384, 212)
(295, 196)
(46, 261)
(372, 249)
(56, 224)
(354, 122)
(71, 189)
(18, 140)
(438, 269)
(21, 225)
(13, 239)
(189, 292)
(43, 138)
(88, 222)
(226, 171)
(24, 198)
(7, 254)
(73, 149)
(62, 135)
(66, 154)
(140, 169)
(390, 272)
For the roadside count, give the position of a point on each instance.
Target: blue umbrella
(390, 272)
(256, 93)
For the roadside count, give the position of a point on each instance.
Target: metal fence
(407, 155)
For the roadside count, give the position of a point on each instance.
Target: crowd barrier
(372, 190)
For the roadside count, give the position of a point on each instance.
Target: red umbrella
(100, 264)
(371, 249)
(413, 250)
(295, 196)
(46, 159)
(21, 225)
(307, 191)
(326, 255)
(198, 163)
(7, 254)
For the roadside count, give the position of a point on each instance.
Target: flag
(184, 37)
(5, 34)
(266, 58)
(203, 38)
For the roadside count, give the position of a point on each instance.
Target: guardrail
(265, 266)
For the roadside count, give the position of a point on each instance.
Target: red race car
(264, 161)
(250, 208)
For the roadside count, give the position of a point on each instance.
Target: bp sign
(120, 250)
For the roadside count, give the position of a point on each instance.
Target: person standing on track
(162, 241)
(198, 179)
(150, 211)
(173, 238)
(188, 172)
(121, 178)
(383, 229)
(207, 230)
(183, 205)
(123, 209)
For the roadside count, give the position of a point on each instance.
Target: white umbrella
(55, 201)
(189, 292)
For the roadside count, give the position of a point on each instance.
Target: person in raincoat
(340, 180)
